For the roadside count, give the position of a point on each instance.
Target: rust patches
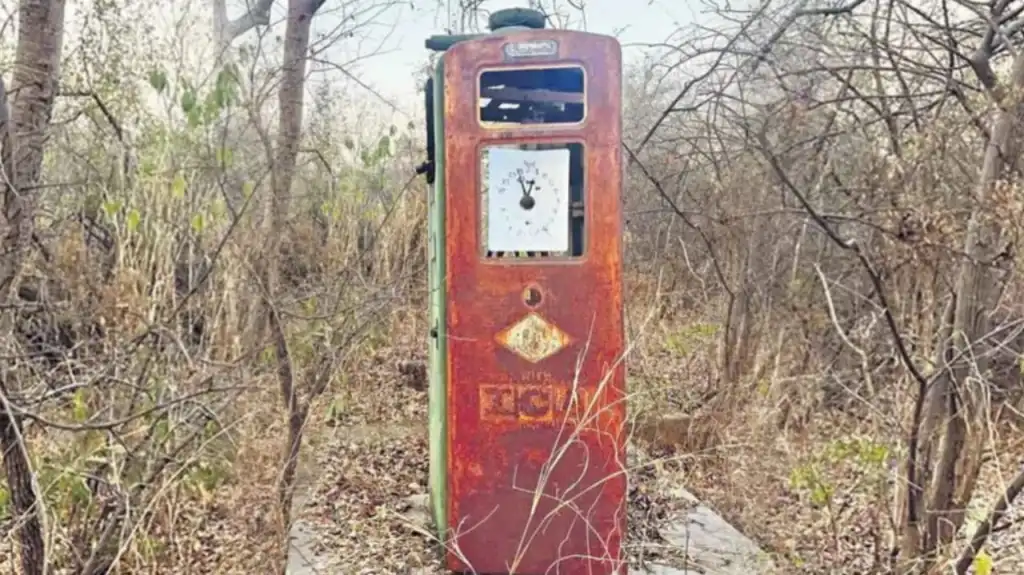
(504, 415)
(533, 338)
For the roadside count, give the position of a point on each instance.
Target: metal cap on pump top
(516, 19)
(506, 20)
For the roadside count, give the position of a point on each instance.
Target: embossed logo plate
(533, 338)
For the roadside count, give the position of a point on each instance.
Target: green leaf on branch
(158, 79)
(178, 186)
(218, 210)
(225, 92)
(111, 208)
(195, 117)
(383, 147)
(224, 157)
(188, 101)
(79, 409)
(5, 503)
(132, 220)
(983, 564)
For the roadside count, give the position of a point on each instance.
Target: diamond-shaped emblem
(533, 338)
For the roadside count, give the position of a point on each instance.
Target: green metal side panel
(437, 356)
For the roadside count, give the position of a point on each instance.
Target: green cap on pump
(516, 18)
(508, 19)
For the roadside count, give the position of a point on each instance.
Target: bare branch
(258, 14)
(981, 534)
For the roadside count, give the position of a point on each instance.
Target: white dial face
(528, 200)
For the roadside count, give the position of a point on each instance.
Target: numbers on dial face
(531, 200)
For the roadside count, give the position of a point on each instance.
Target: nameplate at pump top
(530, 49)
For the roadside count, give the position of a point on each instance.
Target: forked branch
(258, 14)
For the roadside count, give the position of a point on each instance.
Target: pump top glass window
(534, 95)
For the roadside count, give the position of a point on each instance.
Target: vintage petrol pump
(527, 446)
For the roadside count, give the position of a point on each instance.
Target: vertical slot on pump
(427, 168)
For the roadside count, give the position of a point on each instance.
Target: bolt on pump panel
(532, 252)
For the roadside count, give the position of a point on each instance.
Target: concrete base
(302, 552)
(714, 546)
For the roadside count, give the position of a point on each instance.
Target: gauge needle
(527, 201)
(522, 184)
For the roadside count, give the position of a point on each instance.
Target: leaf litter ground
(376, 459)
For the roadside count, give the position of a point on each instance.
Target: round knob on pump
(516, 18)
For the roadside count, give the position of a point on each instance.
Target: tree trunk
(290, 105)
(952, 430)
(34, 86)
(286, 149)
(23, 132)
(24, 499)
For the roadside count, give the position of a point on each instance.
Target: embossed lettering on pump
(548, 403)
